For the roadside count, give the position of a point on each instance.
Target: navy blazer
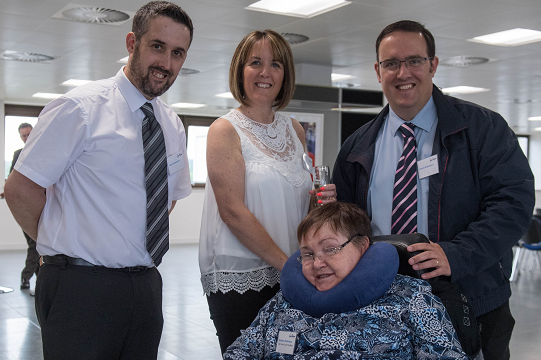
(480, 203)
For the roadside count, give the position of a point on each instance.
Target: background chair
(529, 245)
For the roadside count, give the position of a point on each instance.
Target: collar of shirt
(133, 96)
(424, 120)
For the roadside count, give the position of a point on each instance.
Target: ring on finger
(437, 263)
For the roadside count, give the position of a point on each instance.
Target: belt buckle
(136, 268)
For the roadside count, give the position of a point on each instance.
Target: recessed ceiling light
(463, 90)
(340, 77)
(512, 37)
(298, 8)
(47, 95)
(25, 56)
(186, 71)
(124, 60)
(93, 14)
(534, 118)
(295, 39)
(464, 61)
(537, 129)
(516, 101)
(188, 105)
(226, 95)
(75, 82)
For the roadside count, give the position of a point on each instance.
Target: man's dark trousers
(96, 313)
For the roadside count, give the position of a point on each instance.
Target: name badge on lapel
(428, 166)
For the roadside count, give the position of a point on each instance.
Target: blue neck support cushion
(368, 281)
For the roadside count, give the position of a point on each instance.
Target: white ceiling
(342, 39)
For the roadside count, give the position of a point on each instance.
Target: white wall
(535, 158)
(185, 221)
(535, 165)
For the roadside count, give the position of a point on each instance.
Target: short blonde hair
(281, 52)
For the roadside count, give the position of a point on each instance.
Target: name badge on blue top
(286, 342)
(175, 162)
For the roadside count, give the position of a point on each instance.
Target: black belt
(61, 259)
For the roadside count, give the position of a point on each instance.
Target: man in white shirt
(112, 157)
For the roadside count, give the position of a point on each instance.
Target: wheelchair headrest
(401, 243)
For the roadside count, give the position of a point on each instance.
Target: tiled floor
(188, 331)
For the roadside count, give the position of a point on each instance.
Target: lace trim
(240, 281)
(276, 144)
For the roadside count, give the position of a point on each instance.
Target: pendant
(271, 132)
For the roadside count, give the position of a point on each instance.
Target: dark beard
(142, 79)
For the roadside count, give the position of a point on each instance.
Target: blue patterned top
(408, 322)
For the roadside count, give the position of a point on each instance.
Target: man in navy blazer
(472, 193)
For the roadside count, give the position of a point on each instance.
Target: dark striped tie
(157, 233)
(404, 219)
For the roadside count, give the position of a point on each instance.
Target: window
(13, 141)
(524, 141)
(15, 115)
(196, 136)
(197, 153)
(197, 128)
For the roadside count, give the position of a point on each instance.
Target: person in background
(31, 264)
(402, 319)
(112, 156)
(257, 190)
(449, 169)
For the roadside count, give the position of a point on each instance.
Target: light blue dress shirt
(389, 147)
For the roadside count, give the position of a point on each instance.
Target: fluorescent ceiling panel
(75, 82)
(463, 90)
(533, 118)
(537, 129)
(297, 8)
(340, 77)
(226, 95)
(47, 95)
(187, 105)
(512, 37)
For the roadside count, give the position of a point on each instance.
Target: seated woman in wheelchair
(341, 298)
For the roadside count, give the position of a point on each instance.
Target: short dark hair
(408, 26)
(23, 126)
(153, 9)
(347, 219)
(281, 52)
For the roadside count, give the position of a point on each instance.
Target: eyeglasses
(393, 64)
(324, 254)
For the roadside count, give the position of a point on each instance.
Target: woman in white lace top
(257, 191)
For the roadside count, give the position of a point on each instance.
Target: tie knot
(407, 129)
(148, 110)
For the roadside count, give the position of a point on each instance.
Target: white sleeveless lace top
(276, 192)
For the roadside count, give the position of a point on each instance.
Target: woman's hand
(325, 194)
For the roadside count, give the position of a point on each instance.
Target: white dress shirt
(87, 150)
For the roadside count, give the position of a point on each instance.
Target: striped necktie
(404, 219)
(157, 231)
